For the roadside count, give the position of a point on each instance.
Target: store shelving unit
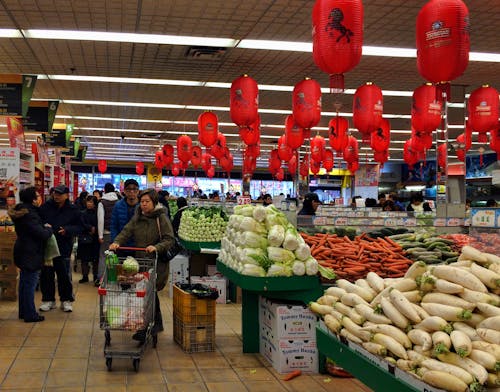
(299, 288)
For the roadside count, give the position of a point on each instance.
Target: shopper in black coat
(29, 249)
(66, 221)
(88, 241)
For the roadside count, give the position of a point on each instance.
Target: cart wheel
(109, 362)
(136, 362)
(155, 340)
(107, 336)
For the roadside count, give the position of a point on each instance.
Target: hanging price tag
(243, 200)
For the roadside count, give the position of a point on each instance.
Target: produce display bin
(299, 288)
(192, 310)
(194, 338)
(373, 371)
(198, 246)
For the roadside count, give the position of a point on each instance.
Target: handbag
(164, 258)
(51, 250)
(85, 239)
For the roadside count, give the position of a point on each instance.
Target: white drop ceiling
(150, 113)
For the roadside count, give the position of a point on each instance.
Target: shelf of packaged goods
(373, 371)
(298, 288)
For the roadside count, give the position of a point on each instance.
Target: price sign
(390, 222)
(482, 217)
(241, 200)
(410, 222)
(454, 222)
(440, 222)
(319, 221)
(341, 221)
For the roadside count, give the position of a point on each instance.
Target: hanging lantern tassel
(481, 151)
(443, 88)
(336, 83)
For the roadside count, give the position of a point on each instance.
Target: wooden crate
(192, 310)
(8, 287)
(194, 338)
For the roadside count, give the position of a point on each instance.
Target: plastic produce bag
(199, 290)
(51, 250)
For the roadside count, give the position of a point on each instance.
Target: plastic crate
(192, 310)
(194, 338)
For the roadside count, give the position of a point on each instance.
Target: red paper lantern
(244, 101)
(421, 141)
(410, 154)
(381, 138)
(251, 134)
(274, 160)
(249, 164)
(443, 41)
(442, 155)
(483, 111)
(183, 165)
(102, 166)
(292, 164)
(353, 166)
(175, 169)
(159, 160)
(208, 127)
(184, 148)
(368, 105)
(465, 143)
(139, 168)
(351, 151)
(211, 172)
(315, 166)
(168, 150)
(294, 133)
(381, 156)
(253, 150)
(280, 174)
(217, 150)
(425, 109)
(328, 160)
(318, 145)
(284, 151)
(337, 38)
(227, 163)
(304, 166)
(338, 128)
(196, 156)
(306, 103)
(206, 161)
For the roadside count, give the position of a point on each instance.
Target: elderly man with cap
(310, 205)
(66, 222)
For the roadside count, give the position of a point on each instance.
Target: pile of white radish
(441, 323)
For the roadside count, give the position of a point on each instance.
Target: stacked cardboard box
(288, 336)
(178, 272)
(8, 270)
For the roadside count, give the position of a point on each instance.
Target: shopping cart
(127, 304)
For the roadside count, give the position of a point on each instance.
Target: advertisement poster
(16, 133)
(367, 175)
(9, 170)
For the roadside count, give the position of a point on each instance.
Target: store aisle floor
(65, 353)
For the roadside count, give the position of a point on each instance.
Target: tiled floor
(65, 353)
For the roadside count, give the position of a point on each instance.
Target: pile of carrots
(353, 259)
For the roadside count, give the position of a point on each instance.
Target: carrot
(291, 375)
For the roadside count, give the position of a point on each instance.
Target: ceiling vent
(205, 53)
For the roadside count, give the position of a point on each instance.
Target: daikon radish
(443, 286)
(375, 281)
(421, 312)
(421, 351)
(494, 259)
(420, 337)
(441, 342)
(493, 349)
(467, 329)
(494, 267)
(473, 254)
(490, 278)
(435, 323)
(404, 306)
(364, 284)
(462, 374)
(336, 314)
(375, 348)
(352, 288)
(490, 335)
(477, 371)
(392, 331)
(328, 300)
(459, 276)
(444, 380)
(448, 299)
(368, 313)
(406, 365)
(412, 296)
(320, 309)
(475, 297)
(332, 323)
(493, 382)
(461, 343)
(488, 310)
(416, 357)
(391, 360)
(461, 263)
(349, 336)
(393, 313)
(351, 299)
(449, 313)
(390, 344)
(474, 320)
(485, 359)
(335, 291)
(349, 312)
(490, 323)
(426, 282)
(405, 285)
(355, 329)
(416, 269)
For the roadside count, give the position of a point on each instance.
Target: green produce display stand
(198, 246)
(298, 288)
(364, 369)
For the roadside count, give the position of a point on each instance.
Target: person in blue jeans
(29, 249)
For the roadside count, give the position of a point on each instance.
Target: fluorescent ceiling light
(10, 33)
(479, 56)
(115, 103)
(389, 51)
(289, 46)
(159, 39)
(109, 79)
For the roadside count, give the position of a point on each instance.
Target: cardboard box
(288, 355)
(217, 282)
(211, 269)
(178, 272)
(287, 321)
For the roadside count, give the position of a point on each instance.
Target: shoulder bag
(163, 260)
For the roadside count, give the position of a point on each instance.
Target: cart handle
(131, 248)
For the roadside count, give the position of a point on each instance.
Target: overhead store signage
(15, 94)
(41, 115)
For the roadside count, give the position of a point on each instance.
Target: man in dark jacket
(66, 221)
(124, 209)
(29, 250)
